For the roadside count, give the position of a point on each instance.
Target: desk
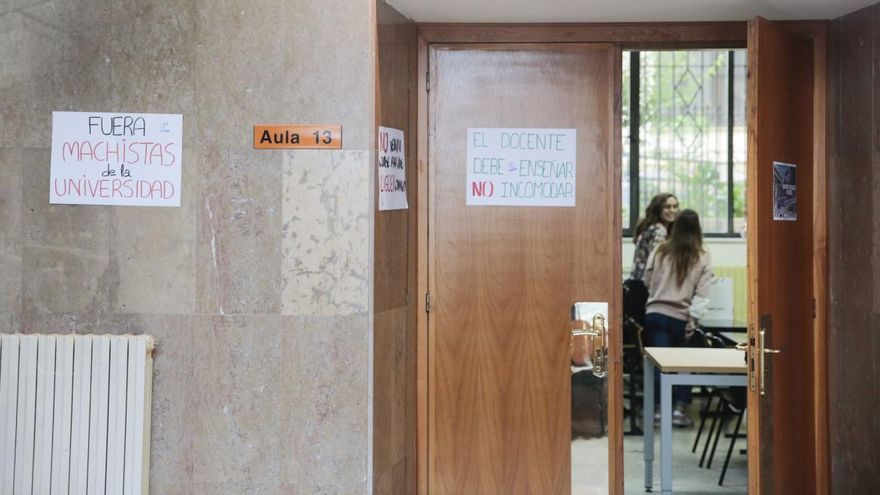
(681, 366)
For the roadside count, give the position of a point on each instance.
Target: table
(681, 366)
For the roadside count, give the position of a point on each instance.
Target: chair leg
(633, 404)
(715, 417)
(730, 449)
(703, 413)
(724, 417)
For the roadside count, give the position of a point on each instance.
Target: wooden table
(681, 366)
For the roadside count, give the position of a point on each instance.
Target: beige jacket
(688, 301)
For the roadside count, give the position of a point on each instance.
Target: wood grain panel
(656, 34)
(394, 321)
(820, 257)
(395, 85)
(780, 111)
(503, 279)
(422, 276)
(854, 369)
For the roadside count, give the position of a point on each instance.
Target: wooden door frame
(665, 35)
(817, 31)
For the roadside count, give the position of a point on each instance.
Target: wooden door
(782, 406)
(502, 279)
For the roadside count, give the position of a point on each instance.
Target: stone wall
(259, 287)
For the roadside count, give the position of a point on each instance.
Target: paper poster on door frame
(521, 167)
(392, 170)
(784, 191)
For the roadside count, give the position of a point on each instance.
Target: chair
(731, 403)
(635, 296)
(736, 399)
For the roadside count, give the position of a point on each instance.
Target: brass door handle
(598, 344)
(742, 347)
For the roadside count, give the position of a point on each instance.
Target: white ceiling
(621, 10)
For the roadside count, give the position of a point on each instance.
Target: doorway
(684, 133)
(620, 37)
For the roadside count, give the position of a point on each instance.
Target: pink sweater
(682, 302)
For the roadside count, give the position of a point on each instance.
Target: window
(684, 132)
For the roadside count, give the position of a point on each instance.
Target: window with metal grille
(684, 132)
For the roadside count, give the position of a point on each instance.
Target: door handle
(597, 343)
(596, 334)
(763, 350)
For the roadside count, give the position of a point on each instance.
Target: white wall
(726, 251)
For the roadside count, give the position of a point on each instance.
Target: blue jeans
(665, 331)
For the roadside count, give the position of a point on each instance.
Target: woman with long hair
(678, 275)
(651, 230)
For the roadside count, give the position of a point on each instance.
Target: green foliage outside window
(685, 131)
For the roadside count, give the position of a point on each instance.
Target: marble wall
(259, 287)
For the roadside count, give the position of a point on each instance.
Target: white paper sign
(521, 167)
(392, 170)
(131, 159)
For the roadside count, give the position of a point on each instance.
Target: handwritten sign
(521, 167)
(131, 159)
(392, 170)
(298, 137)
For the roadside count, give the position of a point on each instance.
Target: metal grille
(685, 133)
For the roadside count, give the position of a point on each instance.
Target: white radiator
(75, 414)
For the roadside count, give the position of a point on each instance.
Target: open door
(782, 293)
(523, 222)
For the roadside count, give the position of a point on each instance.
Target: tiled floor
(687, 477)
(589, 466)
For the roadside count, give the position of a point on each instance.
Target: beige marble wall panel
(55, 57)
(10, 233)
(324, 421)
(238, 400)
(239, 232)
(153, 250)
(326, 238)
(65, 248)
(260, 62)
(174, 390)
(153, 60)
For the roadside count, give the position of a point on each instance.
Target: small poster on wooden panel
(784, 191)
(392, 170)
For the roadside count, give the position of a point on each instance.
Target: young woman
(651, 230)
(677, 275)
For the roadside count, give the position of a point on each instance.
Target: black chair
(731, 404)
(702, 338)
(635, 296)
(736, 400)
